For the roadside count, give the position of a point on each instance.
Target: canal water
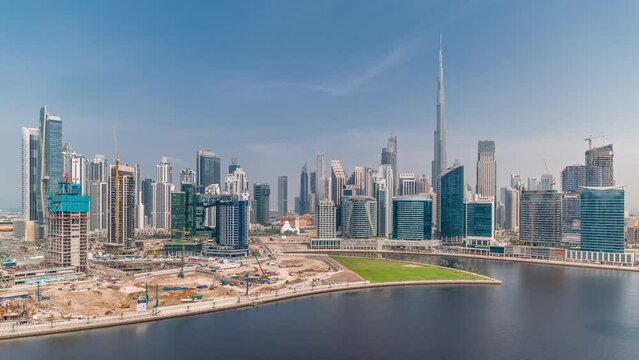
(539, 312)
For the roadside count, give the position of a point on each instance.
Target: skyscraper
(573, 177)
(359, 217)
(98, 176)
(50, 156)
(207, 169)
(98, 168)
(312, 183)
(122, 208)
(67, 240)
(160, 205)
(389, 157)
(599, 167)
(282, 195)
(540, 218)
(236, 183)
(357, 179)
(533, 184)
(326, 219)
(479, 220)
(423, 184)
(571, 217)
(486, 169)
(412, 218)
(304, 194)
(369, 180)
(146, 190)
(338, 180)
(75, 167)
(602, 219)
(451, 203)
(261, 195)
(439, 162)
(547, 182)
(232, 219)
(233, 166)
(30, 180)
(407, 184)
(188, 176)
(511, 209)
(516, 181)
(384, 196)
(163, 171)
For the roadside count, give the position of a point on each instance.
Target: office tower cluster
(110, 202)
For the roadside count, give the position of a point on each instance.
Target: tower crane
(590, 138)
(183, 232)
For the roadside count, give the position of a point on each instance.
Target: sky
(271, 83)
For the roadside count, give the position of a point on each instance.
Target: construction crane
(117, 189)
(183, 232)
(590, 138)
(264, 275)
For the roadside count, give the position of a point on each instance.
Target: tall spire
(439, 161)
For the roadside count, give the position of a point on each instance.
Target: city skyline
(406, 60)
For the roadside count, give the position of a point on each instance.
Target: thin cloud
(352, 83)
(390, 60)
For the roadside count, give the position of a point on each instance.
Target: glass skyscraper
(232, 219)
(304, 194)
(261, 194)
(479, 220)
(602, 219)
(451, 203)
(282, 195)
(207, 169)
(359, 217)
(573, 177)
(412, 218)
(50, 158)
(30, 180)
(540, 217)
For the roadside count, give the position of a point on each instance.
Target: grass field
(375, 270)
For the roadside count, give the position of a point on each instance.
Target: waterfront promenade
(9, 331)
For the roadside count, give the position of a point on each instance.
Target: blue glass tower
(479, 219)
(451, 203)
(412, 218)
(602, 219)
(50, 157)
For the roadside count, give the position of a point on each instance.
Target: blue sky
(272, 83)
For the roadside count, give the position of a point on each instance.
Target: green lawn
(375, 270)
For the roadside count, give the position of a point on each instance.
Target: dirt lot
(113, 292)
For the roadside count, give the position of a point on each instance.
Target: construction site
(112, 287)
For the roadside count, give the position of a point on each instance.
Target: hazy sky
(272, 83)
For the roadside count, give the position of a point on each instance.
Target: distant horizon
(536, 77)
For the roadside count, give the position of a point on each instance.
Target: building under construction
(67, 239)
